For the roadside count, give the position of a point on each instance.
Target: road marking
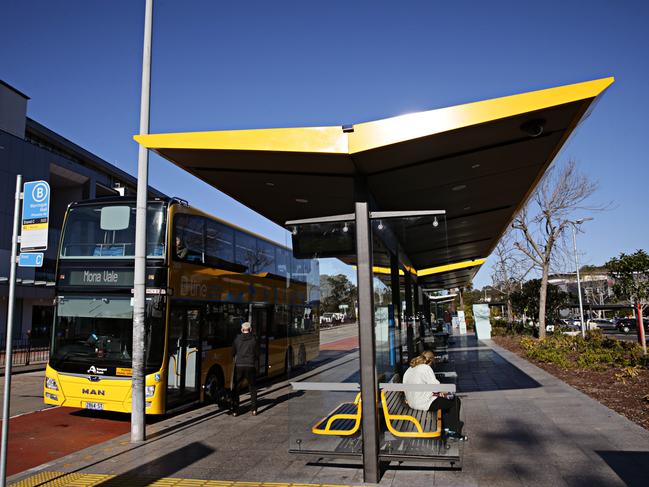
(62, 479)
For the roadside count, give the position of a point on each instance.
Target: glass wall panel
(219, 242)
(324, 410)
(266, 257)
(245, 252)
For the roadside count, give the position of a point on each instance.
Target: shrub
(596, 351)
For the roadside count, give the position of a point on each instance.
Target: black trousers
(450, 412)
(250, 374)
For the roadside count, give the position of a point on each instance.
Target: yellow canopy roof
(478, 161)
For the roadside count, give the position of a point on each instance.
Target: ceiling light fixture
(269, 184)
(459, 187)
(475, 166)
(301, 200)
(345, 228)
(380, 226)
(435, 222)
(294, 231)
(466, 208)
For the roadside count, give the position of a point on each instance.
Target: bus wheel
(288, 361)
(215, 393)
(301, 356)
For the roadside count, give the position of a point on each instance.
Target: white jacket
(422, 374)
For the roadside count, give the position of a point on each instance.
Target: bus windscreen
(108, 231)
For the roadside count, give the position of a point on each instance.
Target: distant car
(332, 318)
(566, 326)
(602, 324)
(328, 318)
(571, 328)
(626, 325)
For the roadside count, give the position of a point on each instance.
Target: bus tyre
(301, 356)
(288, 361)
(214, 392)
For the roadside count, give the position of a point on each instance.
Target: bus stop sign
(30, 259)
(36, 212)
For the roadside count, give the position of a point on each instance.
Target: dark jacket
(245, 349)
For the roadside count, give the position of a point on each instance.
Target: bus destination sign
(99, 277)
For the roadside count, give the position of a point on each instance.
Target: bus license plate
(95, 406)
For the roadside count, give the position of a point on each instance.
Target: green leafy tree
(336, 290)
(631, 274)
(526, 301)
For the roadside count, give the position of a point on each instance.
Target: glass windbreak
(99, 331)
(108, 231)
(324, 410)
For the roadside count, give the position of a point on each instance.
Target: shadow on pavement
(631, 466)
(479, 368)
(164, 466)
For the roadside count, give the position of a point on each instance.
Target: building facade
(73, 173)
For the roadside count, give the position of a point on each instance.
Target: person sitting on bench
(421, 372)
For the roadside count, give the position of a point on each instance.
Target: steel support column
(417, 309)
(410, 332)
(395, 285)
(367, 345)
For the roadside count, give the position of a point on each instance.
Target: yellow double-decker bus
(204, 278)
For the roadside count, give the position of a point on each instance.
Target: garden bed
(624, 389)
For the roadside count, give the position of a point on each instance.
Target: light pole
(138, 372)
(574, 243)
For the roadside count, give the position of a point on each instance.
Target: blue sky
(232, 65)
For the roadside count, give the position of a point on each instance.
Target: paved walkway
(525, 426)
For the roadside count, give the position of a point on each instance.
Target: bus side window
(188, 236)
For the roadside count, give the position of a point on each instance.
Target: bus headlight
(51, 384)
(150, 391)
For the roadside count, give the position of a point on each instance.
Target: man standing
(245, 353)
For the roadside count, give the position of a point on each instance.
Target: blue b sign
(30, 259)
(36, 213)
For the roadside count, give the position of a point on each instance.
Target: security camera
(533, 128)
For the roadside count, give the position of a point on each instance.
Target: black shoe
(457, 436)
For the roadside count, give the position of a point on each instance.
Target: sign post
(8, 335)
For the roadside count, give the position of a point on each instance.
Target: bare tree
(509, 270)
(543, 222)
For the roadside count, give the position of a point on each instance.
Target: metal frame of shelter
(479, 161)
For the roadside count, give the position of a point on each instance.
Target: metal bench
(403, 421)
(344, 420)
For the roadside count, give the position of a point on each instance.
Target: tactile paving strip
(61, 479)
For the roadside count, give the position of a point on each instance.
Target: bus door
(184, 355)
(260, 317)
